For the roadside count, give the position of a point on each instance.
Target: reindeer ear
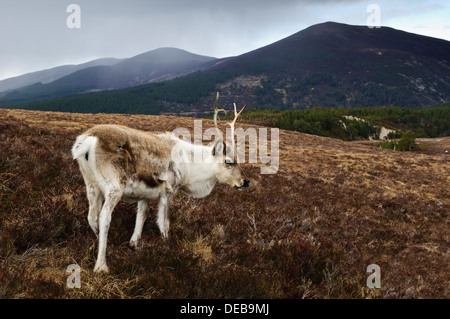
(218, 149)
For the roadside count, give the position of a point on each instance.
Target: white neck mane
(196, 168)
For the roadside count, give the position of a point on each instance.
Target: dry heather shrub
(308, 231)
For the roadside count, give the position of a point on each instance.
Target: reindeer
(119, 162)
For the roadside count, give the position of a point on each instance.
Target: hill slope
(308, 231)
(333, 64)
(49, 75)
(153, 66)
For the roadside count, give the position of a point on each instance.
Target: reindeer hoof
(103, 268)
(135, 244)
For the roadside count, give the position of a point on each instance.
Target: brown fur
(133, 152)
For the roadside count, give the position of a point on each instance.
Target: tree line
(346, 123)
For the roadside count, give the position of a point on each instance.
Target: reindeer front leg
(163, 213)
(142, 213)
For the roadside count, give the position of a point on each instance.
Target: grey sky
(34, 34)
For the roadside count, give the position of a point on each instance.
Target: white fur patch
(137, 190)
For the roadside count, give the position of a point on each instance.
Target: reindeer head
(225, 154)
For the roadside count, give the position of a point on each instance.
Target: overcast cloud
(34, 34)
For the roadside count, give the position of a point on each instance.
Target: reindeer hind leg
(113, 190)
(95, 198)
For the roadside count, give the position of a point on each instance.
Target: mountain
(50, 75)
(333, 64)
(154, 66)
(329, 64)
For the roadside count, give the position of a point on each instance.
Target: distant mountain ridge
(50, 75)
(328, 64)
(153, 66)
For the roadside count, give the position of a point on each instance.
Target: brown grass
(308, 231)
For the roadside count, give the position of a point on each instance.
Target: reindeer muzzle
(244, 186)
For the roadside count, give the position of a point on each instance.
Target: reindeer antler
(216, 111)
(231, 124)
(236, 115)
